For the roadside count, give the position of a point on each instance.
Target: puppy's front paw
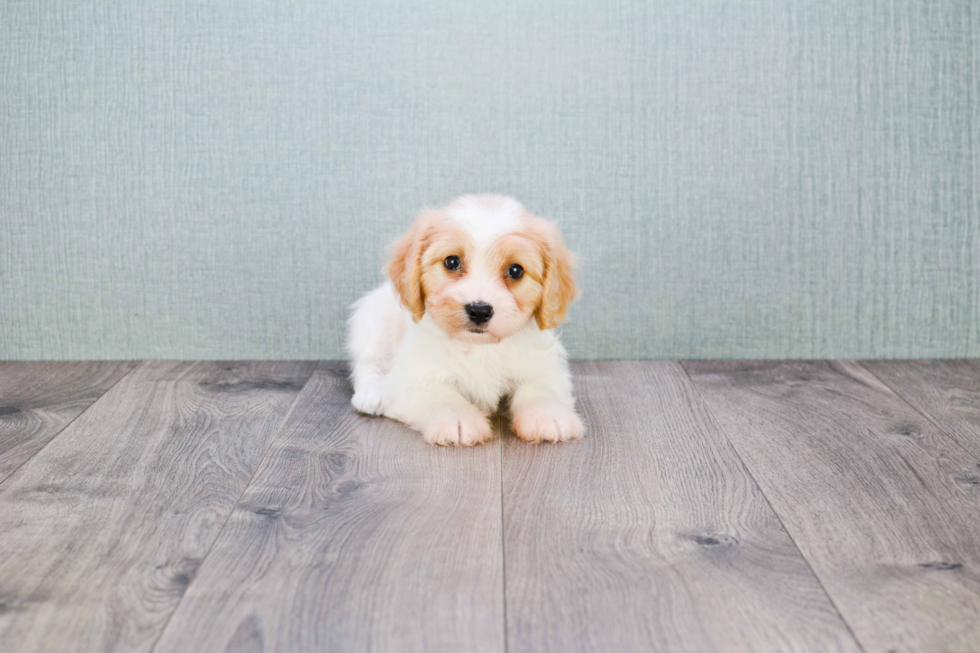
(457, 428)
(547, 423)
(367, 397)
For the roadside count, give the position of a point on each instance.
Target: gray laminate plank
(649, 534)
(945, 391)
(38, 399)
(105, 527)
(354, 535)
(877, 498)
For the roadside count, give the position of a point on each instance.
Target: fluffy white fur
(419, 359)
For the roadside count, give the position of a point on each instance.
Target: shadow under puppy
(466, 319)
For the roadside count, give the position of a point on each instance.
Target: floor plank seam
(503, 539)
(779, 517)
(231, 512)
(908, 403)
(70, 422)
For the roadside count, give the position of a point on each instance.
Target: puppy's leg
(543, 408)
(443, 415)
(368, 384)
(374, 331)
(541, 415)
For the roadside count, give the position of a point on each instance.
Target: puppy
(466, 319)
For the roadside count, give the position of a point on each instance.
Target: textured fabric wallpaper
(219, 179)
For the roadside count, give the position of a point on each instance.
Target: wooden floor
(713, 506)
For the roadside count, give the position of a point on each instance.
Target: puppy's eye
(451, 262)
(515, 271)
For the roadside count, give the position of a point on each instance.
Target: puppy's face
(482, 268)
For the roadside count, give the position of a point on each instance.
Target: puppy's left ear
(558, 282)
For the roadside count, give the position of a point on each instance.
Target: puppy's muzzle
(479, 312)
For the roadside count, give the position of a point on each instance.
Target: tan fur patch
(558, 282)
(524, 251)
(436, 279)
(405, 264)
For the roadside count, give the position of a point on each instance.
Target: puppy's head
(482, 268)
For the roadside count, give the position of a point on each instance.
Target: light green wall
(218, 179)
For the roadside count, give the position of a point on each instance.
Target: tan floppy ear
(558, 284)
(405, 264)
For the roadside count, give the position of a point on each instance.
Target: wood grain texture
(880, 501)
(354, 535)
(104, 528)
(649, 535)
(38, 399)
(947, 392)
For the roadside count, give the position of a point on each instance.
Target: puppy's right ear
(405, 265)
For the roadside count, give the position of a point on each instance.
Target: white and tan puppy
(475, 290)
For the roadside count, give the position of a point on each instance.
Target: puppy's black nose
(479, 312)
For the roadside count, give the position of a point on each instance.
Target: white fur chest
(480, 373)
(483, 373)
